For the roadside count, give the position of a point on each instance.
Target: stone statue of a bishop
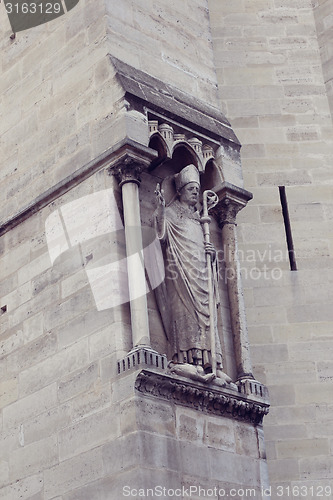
(184, 300)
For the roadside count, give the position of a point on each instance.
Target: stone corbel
(232, 200)
(210, 400)
(127, 165)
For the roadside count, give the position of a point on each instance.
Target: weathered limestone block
(73, 473)
(33, 458)
(98, 428)
(30, 406)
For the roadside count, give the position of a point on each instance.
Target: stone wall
(62, 108)
(50, 77)
(58, 358)
(57, 95)
(324, 22)
(71, 427)
(169, 40)
(59, 100)
(179, 447)
(273, 91)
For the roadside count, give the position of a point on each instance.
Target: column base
(142, 356)
(252, 388)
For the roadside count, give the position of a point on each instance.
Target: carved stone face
(189, 194)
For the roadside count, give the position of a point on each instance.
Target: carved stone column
(127, 167)
(232, 199)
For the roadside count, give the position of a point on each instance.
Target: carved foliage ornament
(128, 170)
(200, 398)
(226, 211)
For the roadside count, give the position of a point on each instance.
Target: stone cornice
(144, 90)
(208, 399)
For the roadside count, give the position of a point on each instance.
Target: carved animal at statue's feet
(198, 374)
(191, 371)
(223, 380)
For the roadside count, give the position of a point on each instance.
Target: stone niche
(178, 147)
(177, 432)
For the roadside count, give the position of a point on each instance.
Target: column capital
(130, 161)
(231, 200)
(128, 170)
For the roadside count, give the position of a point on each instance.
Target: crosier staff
(210, 199)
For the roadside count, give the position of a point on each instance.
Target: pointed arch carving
(168, 141)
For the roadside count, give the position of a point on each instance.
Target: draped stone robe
(187, 288)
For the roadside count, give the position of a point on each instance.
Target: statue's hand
(210, 249)
(160, 195)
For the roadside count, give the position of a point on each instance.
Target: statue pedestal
(184, 436)
(253, 389)
(142, 356)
